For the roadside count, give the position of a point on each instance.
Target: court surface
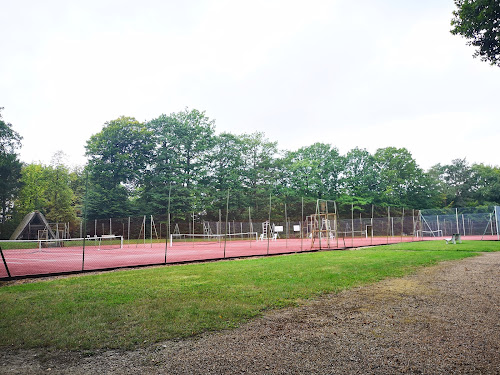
(46, 261)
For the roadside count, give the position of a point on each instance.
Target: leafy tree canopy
(479, 22)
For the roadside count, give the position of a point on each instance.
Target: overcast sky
(369, 74)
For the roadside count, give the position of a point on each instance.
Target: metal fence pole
(5, 263)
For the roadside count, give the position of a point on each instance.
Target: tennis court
(68, 259)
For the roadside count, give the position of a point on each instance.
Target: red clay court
(57, 260)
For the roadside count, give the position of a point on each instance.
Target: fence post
(5, 263)
(497, 215)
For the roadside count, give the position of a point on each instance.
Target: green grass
(131, 308)
(476, 246)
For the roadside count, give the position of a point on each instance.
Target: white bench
(454, 239)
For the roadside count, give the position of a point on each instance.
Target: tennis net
(204, 239)
(108, 242)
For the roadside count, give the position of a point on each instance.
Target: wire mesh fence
(469, 221)
(279, 226)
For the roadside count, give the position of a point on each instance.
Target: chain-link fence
(469, 221)
(279, 225)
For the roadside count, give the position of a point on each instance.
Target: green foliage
(463, 185)
(134, 167)
(360, 176)
(120, 153)
(315, 171)
(10, 173)
(400, 181)
(10, 140)
(119, 157)
(473, 246)
(48, 190)
(183, 144)
(479, 22)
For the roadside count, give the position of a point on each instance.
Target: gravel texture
(442, 320)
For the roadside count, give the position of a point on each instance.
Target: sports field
(67, 259)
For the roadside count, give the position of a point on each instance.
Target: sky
(367, 74)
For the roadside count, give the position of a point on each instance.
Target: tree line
(179, 161)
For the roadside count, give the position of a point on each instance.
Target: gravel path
(441, 320)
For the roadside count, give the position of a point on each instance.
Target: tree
(119, 157)
(10, 172)
(226, 171)
(315, 171)
(120, 152)
(456, 182)
(59, 195)
(359, 175)
(32, 195)
(487, 181)
(479, 22)
(401, 182)
(259, 168)
(183, 144)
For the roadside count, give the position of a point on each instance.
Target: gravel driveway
(442, 320)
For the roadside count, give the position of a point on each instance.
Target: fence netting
(278, 225)
(470, 221)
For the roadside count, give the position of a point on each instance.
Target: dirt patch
(441, 320)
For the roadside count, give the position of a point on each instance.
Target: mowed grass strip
(478, 246)
(127, 309)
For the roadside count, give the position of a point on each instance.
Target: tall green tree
(32, 195)
(183, 145)
(10, 173)
(456, 182)
(118, 159)
(359, 175)
(465, 185)
(259, 168)
(487, 184)
(479, 22)
(59, 195)
(47, 189)
(401, 182)
(315, 171)
(227, 171)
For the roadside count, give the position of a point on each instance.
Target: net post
(227, 215)
(85, 218)
(497, 215)
(388, 222)
(270, 194)
(402, 224)
(144, 230)
(5, 263)
(128, 231)
(352, 224)
(463, 224)
(413, 223)
(371, 222)
(171, 239)
(286, 229)
(302, 224)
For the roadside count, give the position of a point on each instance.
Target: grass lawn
(130, 308)
(482, 246)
